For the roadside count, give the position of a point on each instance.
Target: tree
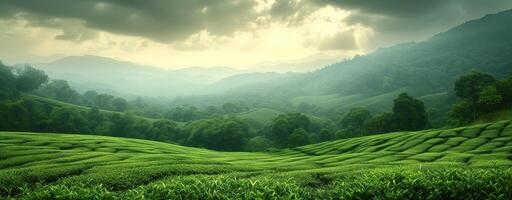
(6, 78)
(141, 129)
(462, 112)
(68, 121)
(299, 137)
(103, 101)
(480, 93)
(504, 89)
(183, 113)
(284, 124)
(489, 99)
(232, 136)
(18, 117)
(469, 86)
(355, 119)
(409, 114)
(119, 104)
(380, 124)
(122, 125)
(325, 135)
(165, 130)
(59, 90)
(29, 78)
(94, 119)
(258, 143)
(229, 108)
(227, 134)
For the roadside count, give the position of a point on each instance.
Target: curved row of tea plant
(468, 162)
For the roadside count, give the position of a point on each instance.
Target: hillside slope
(104, 166)
(422, 68)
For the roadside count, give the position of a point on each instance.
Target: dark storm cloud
(404, 20)
(160, 20)
(398, 8)
(176, 20)
(292, 12)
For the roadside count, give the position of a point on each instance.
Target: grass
(464, 163)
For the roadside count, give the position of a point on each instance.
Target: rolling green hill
(427, 164)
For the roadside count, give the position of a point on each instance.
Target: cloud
(344, 40)
(396, 8)
(268, 29)
(404, 20)
(160, 20)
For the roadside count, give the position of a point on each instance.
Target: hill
(126, 78)
(433, 163)
(420, 68)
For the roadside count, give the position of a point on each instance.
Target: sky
(234, 33)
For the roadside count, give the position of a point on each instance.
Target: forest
(34, 103)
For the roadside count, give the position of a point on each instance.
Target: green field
(469, 162)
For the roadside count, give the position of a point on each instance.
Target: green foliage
(258, 143)
(298, 137)
(228, 134)
(470, 86)
(380, 123)
(504, 88)
(409, 114)
(326, 135)
(32, 114)
(355, 119)
(29, 78)
(59, 90)
(284, 125)
(6, 81)
(489, 99)
(481, 94)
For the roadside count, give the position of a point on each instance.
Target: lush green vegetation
(481, 94)
(460, 163)
(378, 126)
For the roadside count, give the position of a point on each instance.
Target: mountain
(420, 68)
(303, 65)
(126, 78)
(429, 66)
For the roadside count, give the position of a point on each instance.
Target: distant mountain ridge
(126, 78)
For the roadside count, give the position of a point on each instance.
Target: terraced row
(120, 164)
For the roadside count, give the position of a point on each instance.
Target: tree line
(216, 127)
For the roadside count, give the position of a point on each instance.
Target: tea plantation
(463, 163)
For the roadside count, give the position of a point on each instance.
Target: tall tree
(299, 137)
(409, 113)
(284, 125)
(469, 86)
(354, 120)
(29, 78)
(59, 90)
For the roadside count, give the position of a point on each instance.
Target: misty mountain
(126, 78)
(422, 68)
(248, 80)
